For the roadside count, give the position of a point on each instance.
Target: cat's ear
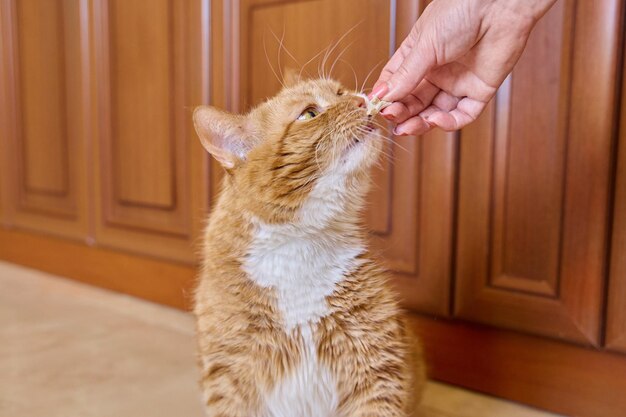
(222, 134)
(291, 77)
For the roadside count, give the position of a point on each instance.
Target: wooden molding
(616, 311)
(154, 280)
(563, 378)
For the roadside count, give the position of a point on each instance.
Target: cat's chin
(362, 152)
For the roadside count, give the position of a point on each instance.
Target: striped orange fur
(294, 316)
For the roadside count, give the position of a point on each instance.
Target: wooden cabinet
(96, 122)
(42, 117)
(535, 183)
(510, 235)
(411, 209)
(148, 74)
(616, 313)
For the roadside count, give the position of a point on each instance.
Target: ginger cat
(294, 317)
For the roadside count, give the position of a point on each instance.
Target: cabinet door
(149, 71)
(534, 181)
(616, 325)
(411, 202)
(42, 136)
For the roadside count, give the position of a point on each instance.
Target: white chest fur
(303, 270)
(303, 263)
(309, 391)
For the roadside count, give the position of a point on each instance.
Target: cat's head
(302, 154)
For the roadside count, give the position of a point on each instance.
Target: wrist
(517, 15)
(524, 12)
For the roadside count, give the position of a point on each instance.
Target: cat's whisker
(336, 44)
(322, 65)
(378, 124)
(384, 130)
(319, 65)
(267, 58)
(338, 57)
(356, 82)
(309, 61)
(370, 73)
(393, 144)
(282, 45)
(382, 137)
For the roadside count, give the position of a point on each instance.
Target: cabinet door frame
(62, 210)
(574, 311)
(616, 310)
(172, 230)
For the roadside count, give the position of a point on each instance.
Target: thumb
(414, 66)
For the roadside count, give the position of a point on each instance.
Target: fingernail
(428, 122)
(379, 91)
(388, 92)
(389, 115)
(398, 131)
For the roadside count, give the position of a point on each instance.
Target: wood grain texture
(143, 102)
(161, 282)
(563, 378)
(616, 311)
(529, 166)
(42, 127)
(411, 205)
(150, 170)
(534, 186)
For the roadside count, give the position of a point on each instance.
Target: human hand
(457, 55)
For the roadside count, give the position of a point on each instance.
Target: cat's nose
(358, 101)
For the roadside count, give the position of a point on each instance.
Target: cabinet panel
(42, 75)
(143, 103)
(410, 213)
(616, 319)
(534, 186)
(529, 161)
(148, 65)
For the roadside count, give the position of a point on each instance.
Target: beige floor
(68, 349)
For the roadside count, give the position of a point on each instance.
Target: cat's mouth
(370, 126)
(367, 129)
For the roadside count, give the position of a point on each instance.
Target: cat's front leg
(228, 389)
(383, 380)
(378, 402)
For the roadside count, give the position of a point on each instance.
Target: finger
(395, 112)
(380, 86)
(410, 73)
(400, 111)
(413, 126)
(430, 110)
(412, 104)
(445, 101)
(396, 60)
(465, 113)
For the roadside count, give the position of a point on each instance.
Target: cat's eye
(340, 92)
(308, 113)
